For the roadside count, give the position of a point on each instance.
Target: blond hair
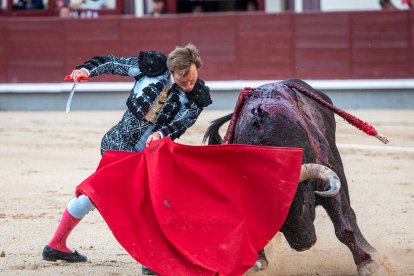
(181, 58)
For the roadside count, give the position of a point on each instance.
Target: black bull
(279, 114)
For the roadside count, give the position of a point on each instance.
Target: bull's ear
(305, 88)
(289, 83)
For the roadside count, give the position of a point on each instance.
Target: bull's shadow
(293, 114)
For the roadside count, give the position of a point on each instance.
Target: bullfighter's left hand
(153, 137)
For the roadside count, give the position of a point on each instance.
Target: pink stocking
(67, 223)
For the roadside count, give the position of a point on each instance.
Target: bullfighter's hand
(153, 137)
(76, 74)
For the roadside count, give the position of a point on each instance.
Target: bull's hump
(271, 90)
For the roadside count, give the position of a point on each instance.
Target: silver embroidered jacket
(180, 109)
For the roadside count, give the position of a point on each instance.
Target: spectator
(88, 4)
(410, 3)
(198, 8)
(29, 5)
(386, 5)
(62, 6)
(252, 5)
(158, 8)
(64, 12)
(94, 4)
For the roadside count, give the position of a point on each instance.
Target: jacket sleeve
(99, 65)
(198, 99)
(185, 118)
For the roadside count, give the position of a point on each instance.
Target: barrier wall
(234, 46)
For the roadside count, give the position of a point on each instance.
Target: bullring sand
(44, 155)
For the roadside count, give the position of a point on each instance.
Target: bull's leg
(348, 232)
(298, 227)
(358, 235)
(343, 200)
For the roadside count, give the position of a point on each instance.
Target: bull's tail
(212, 133)
(305, 89)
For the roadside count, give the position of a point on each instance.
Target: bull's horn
(310, 171)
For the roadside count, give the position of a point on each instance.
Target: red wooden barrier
(3, 60)
(342, 45)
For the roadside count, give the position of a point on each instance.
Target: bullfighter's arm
(98, 65)
(198, 99)
(184, 119)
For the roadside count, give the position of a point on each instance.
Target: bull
(293, 114)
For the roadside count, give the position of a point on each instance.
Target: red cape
(195, 210)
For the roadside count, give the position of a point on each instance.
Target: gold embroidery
(154, 110)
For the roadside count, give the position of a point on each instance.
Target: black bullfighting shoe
(147, 271)
(50, 254)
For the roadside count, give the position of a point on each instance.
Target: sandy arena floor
(44, 155)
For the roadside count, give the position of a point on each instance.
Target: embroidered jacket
(149, 69)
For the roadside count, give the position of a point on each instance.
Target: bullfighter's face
(188, 81)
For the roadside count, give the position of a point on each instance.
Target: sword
(72, 92)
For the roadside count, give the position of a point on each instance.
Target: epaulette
(200, 94)
(152, 63)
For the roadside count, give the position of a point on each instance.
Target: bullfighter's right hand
(81, 73)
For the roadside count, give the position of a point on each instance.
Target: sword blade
(72, 92)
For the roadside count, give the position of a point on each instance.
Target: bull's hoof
(368, 268)
(260, 264)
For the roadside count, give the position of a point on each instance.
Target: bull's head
(274, 115)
